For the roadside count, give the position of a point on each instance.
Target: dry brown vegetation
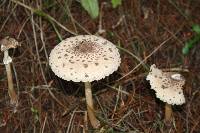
(147, 32)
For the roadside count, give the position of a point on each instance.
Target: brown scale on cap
(85, 65)
(85, 47)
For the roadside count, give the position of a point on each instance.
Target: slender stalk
(168, 112)
(6, 44)
(90, 108)
(11, 91)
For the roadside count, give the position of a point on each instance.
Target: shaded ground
(154, 31)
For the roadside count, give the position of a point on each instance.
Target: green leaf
(190, 44)
(116, 3)
(35, 113)
(33, 110)
(196, 28)
(187, 48)
(92, 7)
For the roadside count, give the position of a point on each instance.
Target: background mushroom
(6, 44)
(85, 58)
(168, 88)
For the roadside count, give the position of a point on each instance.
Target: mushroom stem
(11, 91)
(6, 44)
(168, 112)
(88, 94)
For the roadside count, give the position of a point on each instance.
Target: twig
(134, 56)
(45, 119)
(100, 29)
(16, 77)
(70, 121)
(83, 28)
(36, 48)
(42, 40)
(144, 129)
(126, 115)
(119, 22)
(117, 101)
(42, 14)
(114, 88)
(179, 10)
(42, 72)
(155, 50)
(85, 126)
(22, 27)
(102, 109)
(4, 23)
(65, 7)
(175, 70)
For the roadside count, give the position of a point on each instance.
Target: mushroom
(6, 44)
(168, 88)
(85, 58)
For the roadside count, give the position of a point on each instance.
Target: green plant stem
(90, 107)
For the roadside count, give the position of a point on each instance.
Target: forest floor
(153, 31)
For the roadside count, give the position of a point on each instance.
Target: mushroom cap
(8, 43)
(167, 85)
(84, 58)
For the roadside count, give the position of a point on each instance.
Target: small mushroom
(6, 44)
(168, 88)
(85, 58)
